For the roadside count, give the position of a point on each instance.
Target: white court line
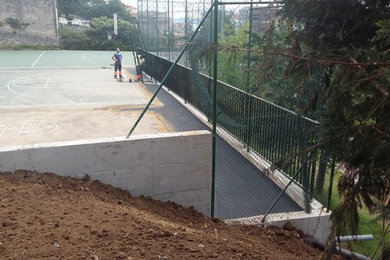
(32, 66)
(12, 82)
(47, 82)
(5, 129)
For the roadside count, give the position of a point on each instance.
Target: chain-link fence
(220, 46)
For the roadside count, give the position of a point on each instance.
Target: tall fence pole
(168, 73)
(332, 169)
(173, 29)
(168, 35)
(281, 193)
(215, 83)
(157, 36)
(186, 31)
(147, 24)
(249, 89)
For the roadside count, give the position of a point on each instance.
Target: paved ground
(44, 98)
(241, 189)
(64, 102)
(31, 59)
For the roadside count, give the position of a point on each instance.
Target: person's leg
(120, 70)
(115, 70)
(138, 72)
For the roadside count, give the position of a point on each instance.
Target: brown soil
(52, 217)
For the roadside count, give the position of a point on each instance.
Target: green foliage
(100, 34)
(232, 67)
(15, 23)
(340, 49)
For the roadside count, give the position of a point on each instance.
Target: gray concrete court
(68, 103)
(46, 99)
(66, 88)
(38, 59)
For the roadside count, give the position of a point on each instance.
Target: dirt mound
(47, 216)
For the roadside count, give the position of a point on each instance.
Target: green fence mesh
(272, 115)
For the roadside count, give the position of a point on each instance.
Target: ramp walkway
(242, 190)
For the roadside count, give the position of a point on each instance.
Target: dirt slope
(43, 216)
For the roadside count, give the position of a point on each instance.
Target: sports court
(56, 95)
(50, 96)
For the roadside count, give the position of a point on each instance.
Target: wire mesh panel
(272, 115)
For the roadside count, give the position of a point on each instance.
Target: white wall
(174, 166)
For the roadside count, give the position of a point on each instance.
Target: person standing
(117, 58)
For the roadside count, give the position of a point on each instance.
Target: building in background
(262, 16)
(28, 22)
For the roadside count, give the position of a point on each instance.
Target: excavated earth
(45, 216)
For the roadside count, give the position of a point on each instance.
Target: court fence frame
(285, 139)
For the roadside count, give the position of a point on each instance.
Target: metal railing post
(215, 83)
(332, 169)
(157, 36)
(249, 89)
(281, 194)
(166, 76)
(147, 24)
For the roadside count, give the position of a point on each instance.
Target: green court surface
(50, 96)
(31, 59)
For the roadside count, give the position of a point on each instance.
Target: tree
(100, 34)
(345, 44)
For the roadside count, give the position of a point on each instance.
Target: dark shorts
(118, 66)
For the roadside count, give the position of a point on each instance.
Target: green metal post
(215, 82)
(211, 37)
(168, 73)
(169, 50)
(138, 10)
(141, 27)
(280, 194)
(173, 29)
(157, 36)
(330, 184)
(249, 89)
(141, 37)
(186, 30)
(147, 24)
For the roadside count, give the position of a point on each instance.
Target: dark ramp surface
(241, 189)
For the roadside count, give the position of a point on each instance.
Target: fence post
(168, 29)
(166, 76)
(331, 183)
(248, 87)
(215, 82)
(157, 35)
(186, 31)
(147, 24)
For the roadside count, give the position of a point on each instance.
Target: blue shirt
(118, 56)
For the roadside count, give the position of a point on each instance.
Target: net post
(166, 76)
(248, 98)
(215, 82)
(332, 169)
(157, 35)
(168, 33)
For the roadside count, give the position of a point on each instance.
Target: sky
(130, 2)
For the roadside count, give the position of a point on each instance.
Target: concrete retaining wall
(174, 166)
(316, 223)
(37, 19)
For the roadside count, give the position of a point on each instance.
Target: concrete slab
(242, 190)
(133, 164)
(38, 59)
(63, 105)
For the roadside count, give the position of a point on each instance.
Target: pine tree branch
(374, 82)
(304, 58)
